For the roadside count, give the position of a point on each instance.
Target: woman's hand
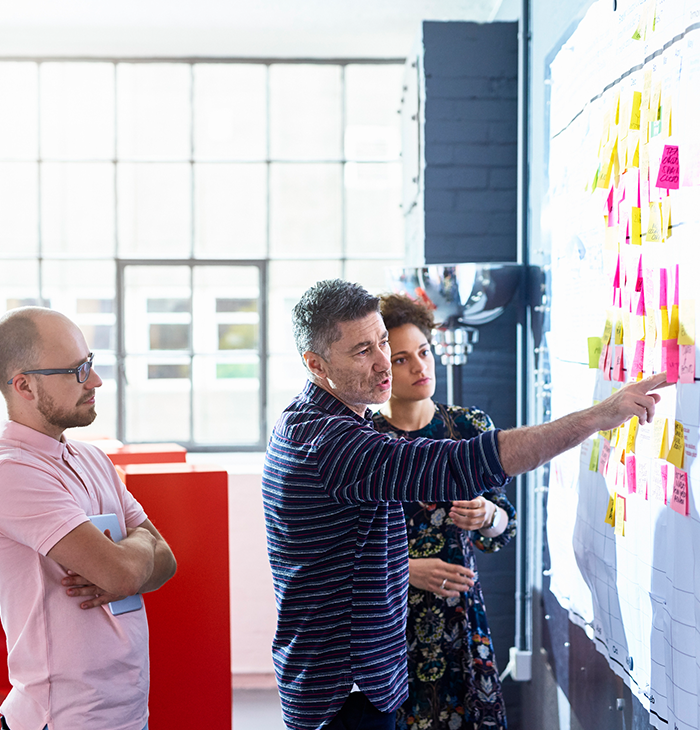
(476, 514)
(443, 579)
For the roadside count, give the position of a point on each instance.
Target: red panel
(189, 617)
(147, 454)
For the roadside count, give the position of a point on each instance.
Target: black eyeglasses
(82, 372)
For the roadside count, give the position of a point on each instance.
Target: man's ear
(315, 363)
(22, 386)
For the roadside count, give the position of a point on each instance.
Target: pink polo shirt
(69, 668)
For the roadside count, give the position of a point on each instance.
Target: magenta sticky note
(618, 373)
(604, 457)
(607, 365)
(616, 278)
(631, 469)
(669, 169)
(669, 360)
(638, 360)
(639, 284)
(679, 494)
(686, 363)
(609, 208)
(663, 288)
(641, 308)
(676, 292)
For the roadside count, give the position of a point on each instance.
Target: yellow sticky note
(610, 513)
(636, 104)
(673, 324)
(607, 331)
(636, 227)
(658, 438)
(654, 225)
(619, 515)
(676, 453)
(666, 116)
(666, 218)
(686, 333)
(635, 155)
(595, 347)
(655, 102)
(619, 331)
(595, 454)
(632, 434)
(664, 323)
(638, 329)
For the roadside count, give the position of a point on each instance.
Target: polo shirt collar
(330, 403)
(13, 431)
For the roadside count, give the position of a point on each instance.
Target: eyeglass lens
(84, 371)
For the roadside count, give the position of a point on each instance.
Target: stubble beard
(62, 418)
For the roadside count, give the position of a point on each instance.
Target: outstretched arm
(523, 449)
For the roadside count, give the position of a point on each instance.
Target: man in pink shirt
(72, 664)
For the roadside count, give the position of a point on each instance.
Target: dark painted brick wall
(470, 215)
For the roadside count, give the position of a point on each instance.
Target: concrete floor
(257, 709)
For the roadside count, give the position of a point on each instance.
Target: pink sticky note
(604, 457)
(618, 373)
(638, 361)
(669, 169)
(607, 365)
(631, 469)
(679, 494)
(663, 288)
(609, 208)
(669, 360)
(603, 357)
(641, 308)
(687, 363)
(676, 299)
(639, 284)
(616, 278)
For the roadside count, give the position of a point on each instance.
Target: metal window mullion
(192, 251)
(191, 265)
(262, 276)
(343, 216)
(39, 165)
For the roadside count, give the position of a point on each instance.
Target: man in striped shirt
(332, 490)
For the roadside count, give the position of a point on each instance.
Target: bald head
(21, 340)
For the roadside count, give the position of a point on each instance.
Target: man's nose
(94, 380)
(383, 361)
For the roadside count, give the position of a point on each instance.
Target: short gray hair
(20, 343)
(323, 307)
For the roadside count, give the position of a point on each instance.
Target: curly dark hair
(399, 309)
(321, 308)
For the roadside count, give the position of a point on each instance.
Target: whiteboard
(623, 214)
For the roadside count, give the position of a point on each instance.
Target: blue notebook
(111, 523)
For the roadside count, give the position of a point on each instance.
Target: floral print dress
(452, 676)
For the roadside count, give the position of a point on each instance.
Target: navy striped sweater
(336, 535)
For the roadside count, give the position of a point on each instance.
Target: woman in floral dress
(452, 674)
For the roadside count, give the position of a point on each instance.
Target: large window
(176, 211)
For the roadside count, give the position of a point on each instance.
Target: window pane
(19, 121)
(305, 203)
(230, 111)
(373, 275)
(373, 122)
(238, 337)
(305, 112)
(157, 409)
(77, 208)
(19, 284)
(77, 111)
(288, 281)
(286, 377)
(105, 425)
(226, 409)
(154, 313)
(154, 217)
(374, 218)
(231, 210)
(154, 111)
(18, 211)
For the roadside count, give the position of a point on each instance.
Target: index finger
(653, 382)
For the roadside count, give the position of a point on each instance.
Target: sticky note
(641, 308)
(595, 347)
(666, 218)
(654, 224)
(673, 330)
(595, 453)
(657, 481)
(686, 363)
(679, 494)
(642, 476)
(604, 457)
(631, 436)
(620, 508)
(636, 106)
(607, 365)
(677, 451)
(666, 117)
(619, 330)
(650, 328)
(631, 469)
(664, 323)
(669, 169)
(638, 360)
(686, 317)
(658, 438)
(670, 360)
(607, 331)
(610, 512)
(618, 372)
(663, 287)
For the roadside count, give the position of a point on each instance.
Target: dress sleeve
(493, 544)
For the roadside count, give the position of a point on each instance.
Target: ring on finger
(443, 584)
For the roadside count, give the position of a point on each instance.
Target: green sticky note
(595, 347)
(595, 454)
